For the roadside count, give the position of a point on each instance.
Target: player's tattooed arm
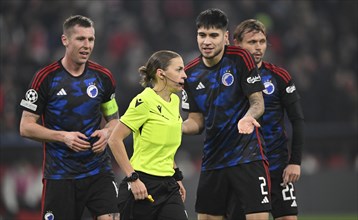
(257, 106)
(247, 124)
(111, 117)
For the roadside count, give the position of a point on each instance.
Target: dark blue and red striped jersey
(279, 93)
(220, 94)
(69, 103)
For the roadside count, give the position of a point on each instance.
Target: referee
(152, 188)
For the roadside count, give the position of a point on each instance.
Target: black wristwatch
(133, 177)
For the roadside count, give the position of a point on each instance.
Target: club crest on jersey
(269, 88)
(92, 91)
(227, 79)
(49, 216)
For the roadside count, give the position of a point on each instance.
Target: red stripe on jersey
(43, 196)
(279, 71)
(249, 61)
(96, 66)
(40, 75)
(43, 173)
(246, 54)
(264, 162)
(192, 63)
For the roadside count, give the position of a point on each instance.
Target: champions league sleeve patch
(31, 97)
(184, 99)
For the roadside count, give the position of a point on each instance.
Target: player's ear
(64, 40)
(226, 36)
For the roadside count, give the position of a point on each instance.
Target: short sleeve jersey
(220, 94)
(156, 126)
(279, 92)
(68, 103)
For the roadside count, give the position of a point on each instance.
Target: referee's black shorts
(167, 204)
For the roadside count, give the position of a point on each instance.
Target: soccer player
(223, 94)
(71, 96)
(280, 95)
(154, 118)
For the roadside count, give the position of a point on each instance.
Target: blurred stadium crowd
(316, 41)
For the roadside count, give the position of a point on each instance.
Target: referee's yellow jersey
(156, 126)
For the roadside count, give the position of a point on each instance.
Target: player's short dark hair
(158, 60)
(74, 20)
(247, 26)
(212, 18)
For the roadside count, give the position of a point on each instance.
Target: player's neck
(73, 68)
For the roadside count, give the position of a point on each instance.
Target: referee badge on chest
(92, 91)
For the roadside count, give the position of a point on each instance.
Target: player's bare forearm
(112, 121)
(257, 106)
(29, 128)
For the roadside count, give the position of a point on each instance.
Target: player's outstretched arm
(247, 124)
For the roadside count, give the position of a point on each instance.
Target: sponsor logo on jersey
(200, 86)
(138, 102)
(291, 89)
(92, 91)
(254, 79)
(62, 92)
(227, 79)
(159, 107)
(269, 88)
